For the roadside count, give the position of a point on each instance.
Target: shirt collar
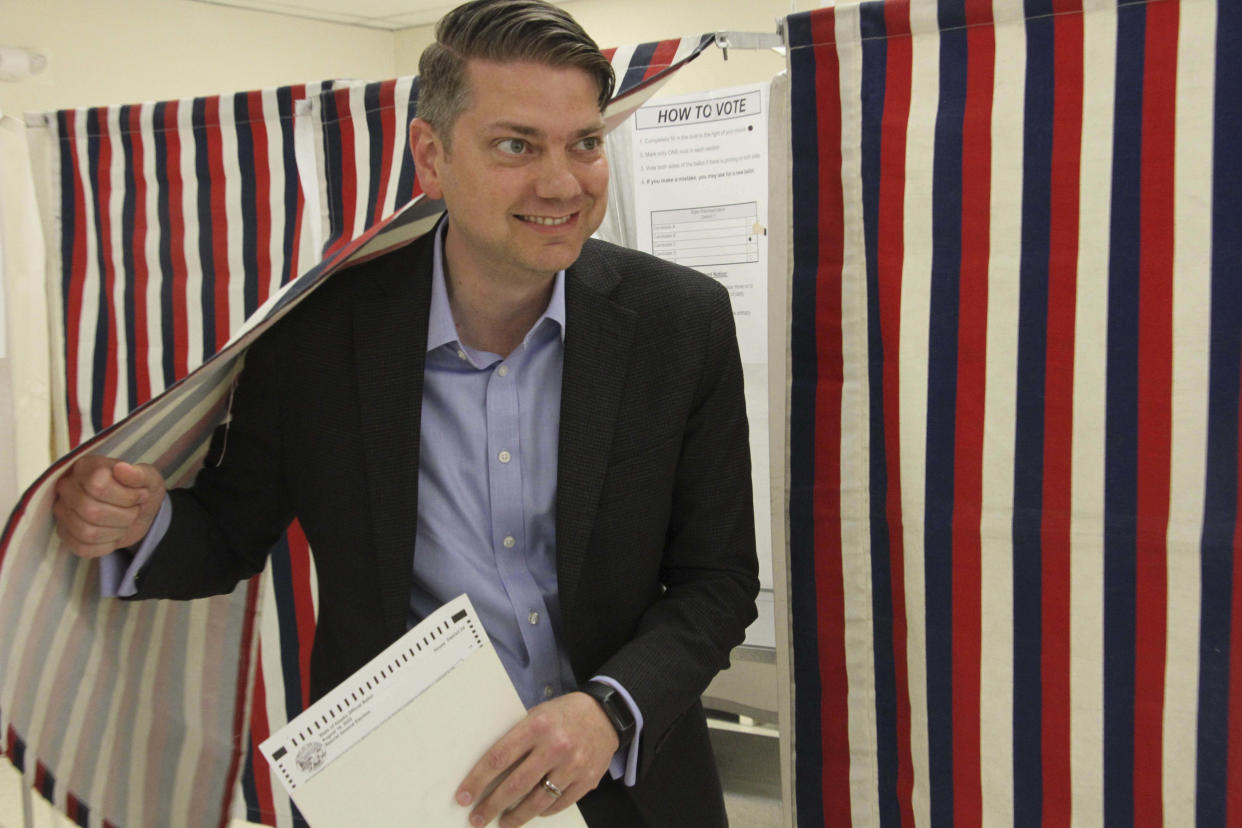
(441, 330)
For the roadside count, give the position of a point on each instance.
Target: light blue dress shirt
(490, 535)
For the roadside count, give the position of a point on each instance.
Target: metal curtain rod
(749, 40)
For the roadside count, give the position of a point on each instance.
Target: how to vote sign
(701, 199)
(746, 104)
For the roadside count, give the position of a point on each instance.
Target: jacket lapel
(390, 340)
(598, 336)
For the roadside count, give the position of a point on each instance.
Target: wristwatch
(615, 708)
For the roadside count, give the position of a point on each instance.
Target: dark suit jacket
(655, 539)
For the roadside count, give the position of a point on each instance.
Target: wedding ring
(556, 792)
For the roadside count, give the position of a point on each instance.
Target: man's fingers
(103, 504)
(77, 502)
(98, 482)
(81, 538)
(482, 787)
(518, 797)
(568, 741)
(138, 476)
(541, 801)
(569, 797)
(95, 513)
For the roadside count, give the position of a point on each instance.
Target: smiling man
(506, 408)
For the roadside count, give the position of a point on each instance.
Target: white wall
(125, 51)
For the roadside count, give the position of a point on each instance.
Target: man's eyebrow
(527, 131)
(520, 129)
(590, 130)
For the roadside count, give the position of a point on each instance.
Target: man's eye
(591, 143)
(512, 146)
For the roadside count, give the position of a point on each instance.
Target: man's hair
(503, 31)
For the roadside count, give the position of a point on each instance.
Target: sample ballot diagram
(699, 237)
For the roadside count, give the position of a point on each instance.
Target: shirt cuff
(119, 570)
(624, 764)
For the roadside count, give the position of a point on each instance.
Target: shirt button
(504, 456)
(533, 617)
(548, 692)
(503, 370)
(461, 354)
(509, 541)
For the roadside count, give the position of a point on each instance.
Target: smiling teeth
(546, 220)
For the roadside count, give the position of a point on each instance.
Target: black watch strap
(615, 708)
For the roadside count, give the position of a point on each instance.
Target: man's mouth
(547, 221)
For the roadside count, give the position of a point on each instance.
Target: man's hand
(568, 741)
(104, 504)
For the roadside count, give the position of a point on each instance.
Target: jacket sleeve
(224, 524)
(709, 569)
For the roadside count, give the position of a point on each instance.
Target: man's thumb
(134, 476)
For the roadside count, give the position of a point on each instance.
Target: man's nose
(557, 177)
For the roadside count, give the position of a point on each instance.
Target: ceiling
(373, 14)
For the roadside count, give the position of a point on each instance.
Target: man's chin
(558, 256)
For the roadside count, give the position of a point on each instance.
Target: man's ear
(426, 149)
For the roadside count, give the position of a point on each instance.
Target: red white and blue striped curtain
(367, 169)
(1016, 353)
(178, 219)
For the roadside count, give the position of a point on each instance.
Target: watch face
(614, 706)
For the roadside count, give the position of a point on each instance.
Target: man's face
(525, 180)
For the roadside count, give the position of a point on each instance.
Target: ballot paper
(390, 745)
